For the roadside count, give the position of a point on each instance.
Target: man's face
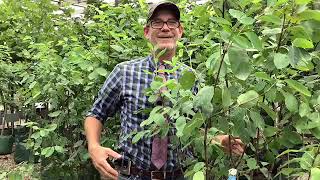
(164, 37)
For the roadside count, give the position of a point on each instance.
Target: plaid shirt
(124, 90)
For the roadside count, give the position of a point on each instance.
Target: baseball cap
(167, 5)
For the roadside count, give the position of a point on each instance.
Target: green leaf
(310, 14)
(138, 136)
(248, 99)
(180, 124)
(47, 152)
(43, 133)
(187, 80)
(204, 96)
(35, 135)
(242, 42)
(271, 31)
(55, 114)
(251, 163)
(52, 127)
(316, 132)
(291, 102)
(158, 119)
(226, 97)
(271, 18)
(315, 173)
(59, 149)
(93, 75)
(257, 119)
(281, 60)
(268, 110)
(304, 109)
(298, 87)
(221, 21)
(242, 17)
(198, 166)
(32, 84)
(198, 176)
(286, 171)
(263, 75)
(101, 71)
(270, 131)
(302, 43)
(117, 48)
(239, 62)
(302, 1)
(156, 85)
(236, 13)
(254, 39)
(306, 160)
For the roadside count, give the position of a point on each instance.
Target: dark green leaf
(269, 111)
(254, 39)
(298, 87)
(180, 124)
(252, 163)
(187, 80)
(226, 97)
(257, 119)
(270, 131)
(239, 62)
(291, 102)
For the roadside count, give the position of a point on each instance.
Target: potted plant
(6, 141)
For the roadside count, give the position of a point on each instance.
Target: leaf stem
(315, 47)
(205, 148)
(281, 34)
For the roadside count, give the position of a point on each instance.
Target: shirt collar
(154, 65)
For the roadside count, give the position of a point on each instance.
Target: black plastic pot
(20, 133)
(21, 154)
(6, 143)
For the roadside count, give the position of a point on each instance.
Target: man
(124, 88)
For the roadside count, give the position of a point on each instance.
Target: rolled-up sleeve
(108, 99)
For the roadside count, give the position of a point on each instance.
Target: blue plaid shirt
(124, 90)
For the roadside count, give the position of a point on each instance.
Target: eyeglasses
(157, 24)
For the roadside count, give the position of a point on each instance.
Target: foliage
(255, 65)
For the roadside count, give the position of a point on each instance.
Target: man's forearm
(93, 129)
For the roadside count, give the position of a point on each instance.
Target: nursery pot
(21, 153)
(6, 143)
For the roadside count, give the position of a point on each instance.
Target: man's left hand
(235, 144)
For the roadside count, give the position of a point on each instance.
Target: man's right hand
(99, 156)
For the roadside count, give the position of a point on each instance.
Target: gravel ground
(7, 163)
